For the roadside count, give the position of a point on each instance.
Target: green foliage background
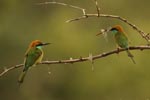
(114, 78)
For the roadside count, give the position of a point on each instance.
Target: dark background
(114, 78)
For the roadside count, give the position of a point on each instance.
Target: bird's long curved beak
(99, 34)
(44, 44)
(103, 31)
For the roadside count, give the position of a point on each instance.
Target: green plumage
(122, 40)
(32, 57)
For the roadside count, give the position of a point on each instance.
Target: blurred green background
(115, 77)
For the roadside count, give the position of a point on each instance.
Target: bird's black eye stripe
(39, 44)
(113, 29)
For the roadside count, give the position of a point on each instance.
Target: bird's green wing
(31, 57)
(122, 40)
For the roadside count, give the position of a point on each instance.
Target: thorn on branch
(91, 60)
(84, 12)
(90, 57)
(71, 60)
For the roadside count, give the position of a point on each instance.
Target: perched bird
(33, 56)
(121, 39)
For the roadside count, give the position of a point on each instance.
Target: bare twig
(84, 16)
(64, 4)
(71, 60)
(97, 8)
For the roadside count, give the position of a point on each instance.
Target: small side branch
(97, 8)
(71, 61)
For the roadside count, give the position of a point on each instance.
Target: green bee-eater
(121, 39)
(33, 55)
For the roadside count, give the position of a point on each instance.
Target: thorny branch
(81, 59)
(146, 36)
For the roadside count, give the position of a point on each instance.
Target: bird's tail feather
(131, 56)
(21, 77)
